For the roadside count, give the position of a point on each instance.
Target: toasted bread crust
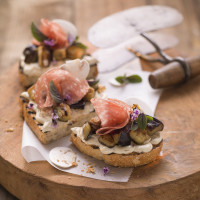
(25, 80)
(47, 137)
(118, 160)
(29, 118)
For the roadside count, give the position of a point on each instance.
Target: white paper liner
(141, 93)
(33, 150)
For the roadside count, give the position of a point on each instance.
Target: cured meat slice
(114, 114)
(70, 88)
(54, 32)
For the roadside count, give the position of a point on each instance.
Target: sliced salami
(70, 88)
(114, 114)
(54, 32)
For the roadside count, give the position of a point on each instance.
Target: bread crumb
(10, 130)
(6, 121)
(89, 163)
(90, 170)
(74, 164)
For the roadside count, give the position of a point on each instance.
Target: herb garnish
(129, 79)
(37, 34)
(149, 118)
(54, 93)
(142, 121)
(134, 126)
(79, 44)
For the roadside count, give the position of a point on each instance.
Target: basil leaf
(134, 79)
(76, 39)
(134, 126)
(120, 79)
(149, 118)
(80, 45)
(54, 93)
(142, 121)
(37, 34)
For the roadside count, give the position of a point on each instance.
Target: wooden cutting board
(175, 176)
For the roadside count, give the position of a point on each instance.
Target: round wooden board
(175, 176)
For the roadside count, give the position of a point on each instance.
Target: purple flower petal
(54, 118)
(54, 123)
(67, 97)
(49, 42)
(30, 105)
(70, 39)
(106, 171)
(54, 61)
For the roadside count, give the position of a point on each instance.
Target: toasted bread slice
(63, 128)
(118, 160)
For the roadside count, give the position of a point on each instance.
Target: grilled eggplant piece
(63, 111)
(125, 139)
(44, 56)
(60, 54)
(93, 83)
(31, 92)
(109, 140)
(90, 94)
(139, 136)
(95, 123)
(31, 54)
(74, 52)
(86, 130)
(154, 126)
(78, 105)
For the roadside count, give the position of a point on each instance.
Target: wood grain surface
(181, 121)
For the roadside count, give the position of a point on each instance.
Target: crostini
(60, 100)
(120, 135)
(54, 43)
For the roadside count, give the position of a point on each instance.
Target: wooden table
(16, 17)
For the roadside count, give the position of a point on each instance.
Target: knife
(112, 58)
(119, 27)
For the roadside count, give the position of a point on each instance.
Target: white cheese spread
(45, 116)
(34, 70)
(93, 140)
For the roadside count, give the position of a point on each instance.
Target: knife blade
(114, 57)
(119, 27)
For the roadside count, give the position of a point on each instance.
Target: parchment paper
(141, 93)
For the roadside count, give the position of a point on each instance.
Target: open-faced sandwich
(120, 135)
(60, 100)
(54, 43)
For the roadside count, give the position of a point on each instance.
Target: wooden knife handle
(173, 73)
